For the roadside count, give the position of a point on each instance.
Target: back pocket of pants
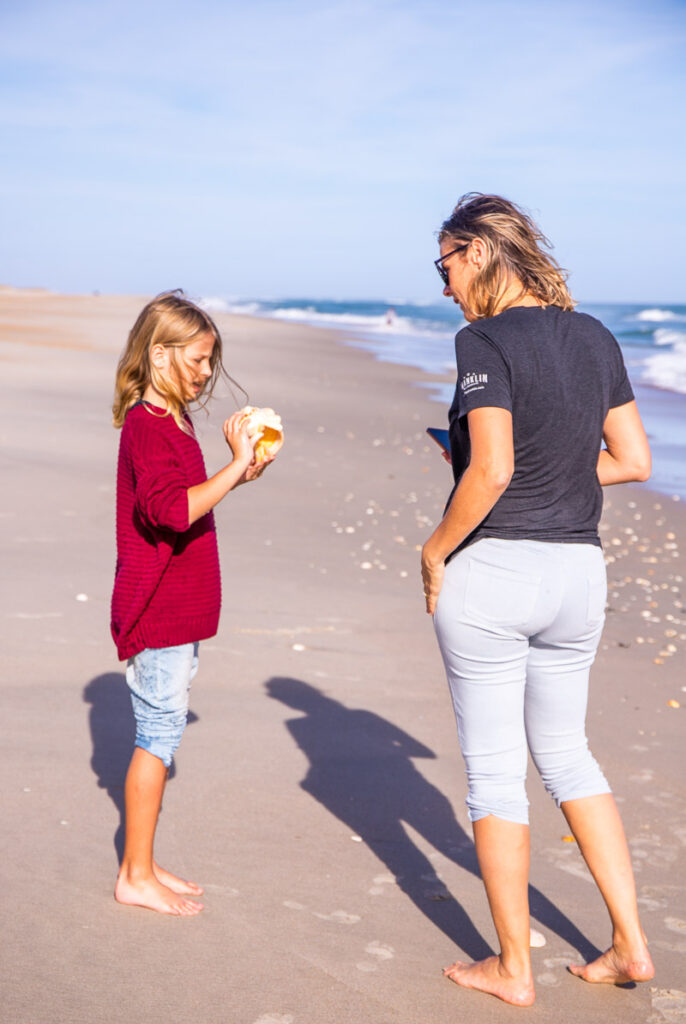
(498, 594)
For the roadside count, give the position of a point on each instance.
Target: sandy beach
(318, 793)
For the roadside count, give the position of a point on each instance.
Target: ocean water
(652, 338)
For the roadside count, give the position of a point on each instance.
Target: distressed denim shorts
(159, 679)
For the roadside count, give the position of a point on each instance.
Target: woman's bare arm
(487, 476)
(626, 456)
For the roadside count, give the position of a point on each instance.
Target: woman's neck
(514, 295)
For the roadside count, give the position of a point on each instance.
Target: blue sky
(272, 149)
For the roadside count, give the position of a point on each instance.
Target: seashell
(268, 423)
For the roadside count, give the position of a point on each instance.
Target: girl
(515, 577)
(167, 588)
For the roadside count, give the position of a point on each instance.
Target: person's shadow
(113, 731)
(361, 771)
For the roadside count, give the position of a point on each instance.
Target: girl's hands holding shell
(269, 428)
(238, 438)
(243, 435)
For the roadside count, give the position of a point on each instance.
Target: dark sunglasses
(443, 273)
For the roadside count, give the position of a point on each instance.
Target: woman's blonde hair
(514, 248)
(173, 321)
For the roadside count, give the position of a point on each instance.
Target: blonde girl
(167, 594)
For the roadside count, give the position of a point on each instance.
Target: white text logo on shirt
(473, 382)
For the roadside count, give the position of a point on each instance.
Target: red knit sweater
(167, 589)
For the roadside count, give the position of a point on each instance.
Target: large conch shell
(268, 423)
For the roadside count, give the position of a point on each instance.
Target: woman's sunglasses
(443, 273)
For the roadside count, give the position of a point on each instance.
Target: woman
(514, 574)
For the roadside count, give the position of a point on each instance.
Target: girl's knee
(161, 735)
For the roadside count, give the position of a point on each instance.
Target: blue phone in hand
(440, 436)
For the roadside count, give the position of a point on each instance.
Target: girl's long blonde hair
(514, 249)
(173, 321)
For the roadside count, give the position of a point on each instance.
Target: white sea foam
(214, 304)
(668, 369)
(668, 336)
(380, 323)
(657, 316)
(358, 321)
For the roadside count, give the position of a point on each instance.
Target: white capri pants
(518, 623)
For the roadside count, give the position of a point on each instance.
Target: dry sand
(319, 792)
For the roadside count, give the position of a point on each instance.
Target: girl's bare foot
(150, 893)
(176, 884)
(617, 968)
(490, 976)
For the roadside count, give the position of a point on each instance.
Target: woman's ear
(478, 253)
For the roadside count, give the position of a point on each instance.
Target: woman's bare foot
(617, 968)
(490, 976)
(150, 893)
(176, 884)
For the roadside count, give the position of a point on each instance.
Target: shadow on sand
(113, 731)
(361, 771)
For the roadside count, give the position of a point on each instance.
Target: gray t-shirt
(558, 373)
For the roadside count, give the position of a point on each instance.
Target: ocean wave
(214, 304)
(668, 369)
(657, 316)
(667, 336)
(383, 323)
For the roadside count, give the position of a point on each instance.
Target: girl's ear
(159, 357)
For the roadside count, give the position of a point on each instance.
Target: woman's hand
(433, 570)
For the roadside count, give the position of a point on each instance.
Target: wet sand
(318, 793)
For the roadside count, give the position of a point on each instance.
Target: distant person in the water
(390, 316)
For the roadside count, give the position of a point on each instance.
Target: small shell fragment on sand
(536, 939)
(82, 597)
(568, 839)
(673, 704)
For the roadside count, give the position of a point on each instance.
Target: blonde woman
(514, 574)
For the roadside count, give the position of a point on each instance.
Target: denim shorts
(159, 679)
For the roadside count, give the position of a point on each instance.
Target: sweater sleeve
(161, 488)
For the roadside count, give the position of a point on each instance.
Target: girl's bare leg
(503, 851)
(138, 883)
(598, 830)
